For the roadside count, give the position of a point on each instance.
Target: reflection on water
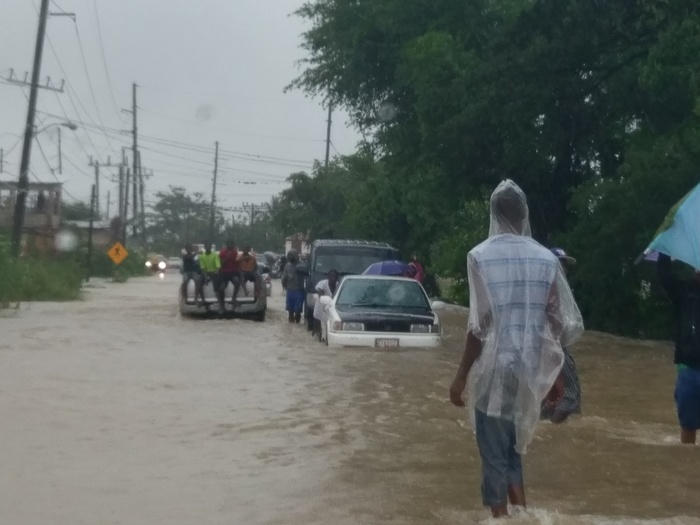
(116, 410)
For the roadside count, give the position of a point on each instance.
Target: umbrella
(679, 234)
(386, 268)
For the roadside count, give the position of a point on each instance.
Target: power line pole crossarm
(23, 183)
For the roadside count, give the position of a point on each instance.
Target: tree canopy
(590, 105)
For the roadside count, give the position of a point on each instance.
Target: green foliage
(178, 217)
(590, 106)
(133, 266)
(37, 279)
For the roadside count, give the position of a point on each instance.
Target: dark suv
(348, 257)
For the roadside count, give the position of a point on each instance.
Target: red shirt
(420, 273)
(228, 260)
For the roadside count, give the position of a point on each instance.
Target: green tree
(178, 218)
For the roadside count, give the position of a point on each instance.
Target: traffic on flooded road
(119, 410)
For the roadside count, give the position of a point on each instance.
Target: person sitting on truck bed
(210, 264)
(228, 273)
(191, 272)
(247, 268)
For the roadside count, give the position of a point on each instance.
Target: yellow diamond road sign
(117, 253)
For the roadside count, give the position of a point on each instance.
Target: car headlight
(161, 265)
(425, 328)
(148, 264)
(353, 327)
(337, 325)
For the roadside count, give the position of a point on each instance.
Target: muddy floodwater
(115, 410)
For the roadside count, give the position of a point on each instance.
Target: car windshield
(349, 260)
(382, 293)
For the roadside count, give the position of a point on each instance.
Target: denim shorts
(687, 397)
(501, 465)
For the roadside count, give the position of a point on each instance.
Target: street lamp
(70, 125)
(23, 182)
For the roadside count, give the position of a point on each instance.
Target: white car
(174, 263)
(381, 312)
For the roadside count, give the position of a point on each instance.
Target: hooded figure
(521, 313)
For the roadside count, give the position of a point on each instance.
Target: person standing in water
(685, 298)
(521, 313)
(293, 283)
(326, 287)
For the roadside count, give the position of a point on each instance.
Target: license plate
(386, 343)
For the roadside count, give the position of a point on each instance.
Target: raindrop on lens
(387, 112)
(66, 241)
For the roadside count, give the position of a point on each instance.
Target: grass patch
(38, 279)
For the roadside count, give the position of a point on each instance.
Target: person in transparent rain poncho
(521, 313)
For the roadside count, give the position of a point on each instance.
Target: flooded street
(117, 411)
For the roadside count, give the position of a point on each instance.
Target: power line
(225, 154)
(256, 135)
(104, 63)
(87, 74)
(70, 97)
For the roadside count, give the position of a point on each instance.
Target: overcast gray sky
(208, 70)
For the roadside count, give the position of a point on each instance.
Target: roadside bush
(38, 279)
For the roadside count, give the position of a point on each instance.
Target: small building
(42, 216)
(103, 235)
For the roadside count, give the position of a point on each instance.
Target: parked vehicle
(347, 257)
(249, 304)
(381, 312)
(174, 263)
(265, 273)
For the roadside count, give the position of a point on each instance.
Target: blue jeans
(687, 397)
(295, 300)
(501, 465)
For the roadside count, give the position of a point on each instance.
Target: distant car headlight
(161, 265)
(425, 328)
(353, 327)
(148, 264)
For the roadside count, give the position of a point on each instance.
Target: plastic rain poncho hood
(522, 309)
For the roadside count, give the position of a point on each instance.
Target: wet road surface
(115, 410)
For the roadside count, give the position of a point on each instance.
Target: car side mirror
(325, 300)
(437, 305)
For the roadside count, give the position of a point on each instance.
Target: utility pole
(60, 154)
(328, 133)
(135, 159)
(126, 204)
(120, 194)
(97, 187)
(2, 158)
(109, 194)
(212, 217)
(89, 246)
(143, 207)
(23, 183)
